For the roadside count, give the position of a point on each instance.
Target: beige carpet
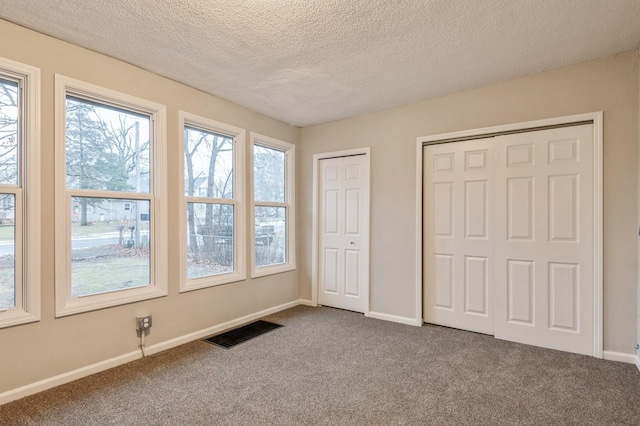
(332, 367)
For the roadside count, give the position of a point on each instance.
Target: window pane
(271, 235)
(107, 147)
(210, 239)
(268, 174)
(109, 245)
(8, 132)
(7, 252)
(208, 164)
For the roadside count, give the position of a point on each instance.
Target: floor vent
(234, 337)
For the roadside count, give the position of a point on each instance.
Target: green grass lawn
(90, 277)
(7, 232)
(95, 228)
(102, 269)
(109, 274)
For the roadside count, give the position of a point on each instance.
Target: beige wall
(33, 352)
(609, 85)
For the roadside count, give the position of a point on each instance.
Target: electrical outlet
(143, 323)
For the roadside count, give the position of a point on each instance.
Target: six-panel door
(344, 259)
(509, 237)
(544, 238)
(457, 235)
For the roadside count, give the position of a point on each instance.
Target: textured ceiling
(312, 61)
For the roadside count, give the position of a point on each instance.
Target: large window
(109, 207)
(273, 205)
(19, 194)
(213, 208)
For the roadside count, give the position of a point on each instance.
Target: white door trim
(597, 119)
(315, 240)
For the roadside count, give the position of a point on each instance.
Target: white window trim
(239, 273)
(27, 202)
(290, 174)
(65, 303)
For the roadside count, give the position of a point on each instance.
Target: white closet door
(544, 238)
(457, 235)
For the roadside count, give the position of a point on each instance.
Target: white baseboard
(168, 344)
(620, 357)
(70, 376)
(79, 373)
(638, 361)
(306, 302)
(395, 318)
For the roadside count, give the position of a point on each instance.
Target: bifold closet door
(544, 238)
(457, 235)
(508, 237)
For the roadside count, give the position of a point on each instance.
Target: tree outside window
(110, 192)
(209, 188)
(107, 152)
(273, 205)
(9, 113)
(19, 194)
(270, 212)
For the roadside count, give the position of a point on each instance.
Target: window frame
(66, 304)
(289, 204)
(239, 273)
(27, 197)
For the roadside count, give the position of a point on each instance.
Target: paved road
(84, 242)
(7, 247)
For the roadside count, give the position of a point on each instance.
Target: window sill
(78, 305)
(191, 284)
(263, 271)
(12, 317)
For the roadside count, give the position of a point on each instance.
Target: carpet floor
(333, 367)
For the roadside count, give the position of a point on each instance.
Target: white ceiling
(313, 61)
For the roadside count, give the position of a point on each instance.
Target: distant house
(110, 210)
(7, 210)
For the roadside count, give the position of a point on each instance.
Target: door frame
(594, 117)
(315, 238)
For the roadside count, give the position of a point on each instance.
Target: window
(110, 208)
(19, 177)
(273, 206)
(213, 213)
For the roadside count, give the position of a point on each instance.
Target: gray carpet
(332, 367)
